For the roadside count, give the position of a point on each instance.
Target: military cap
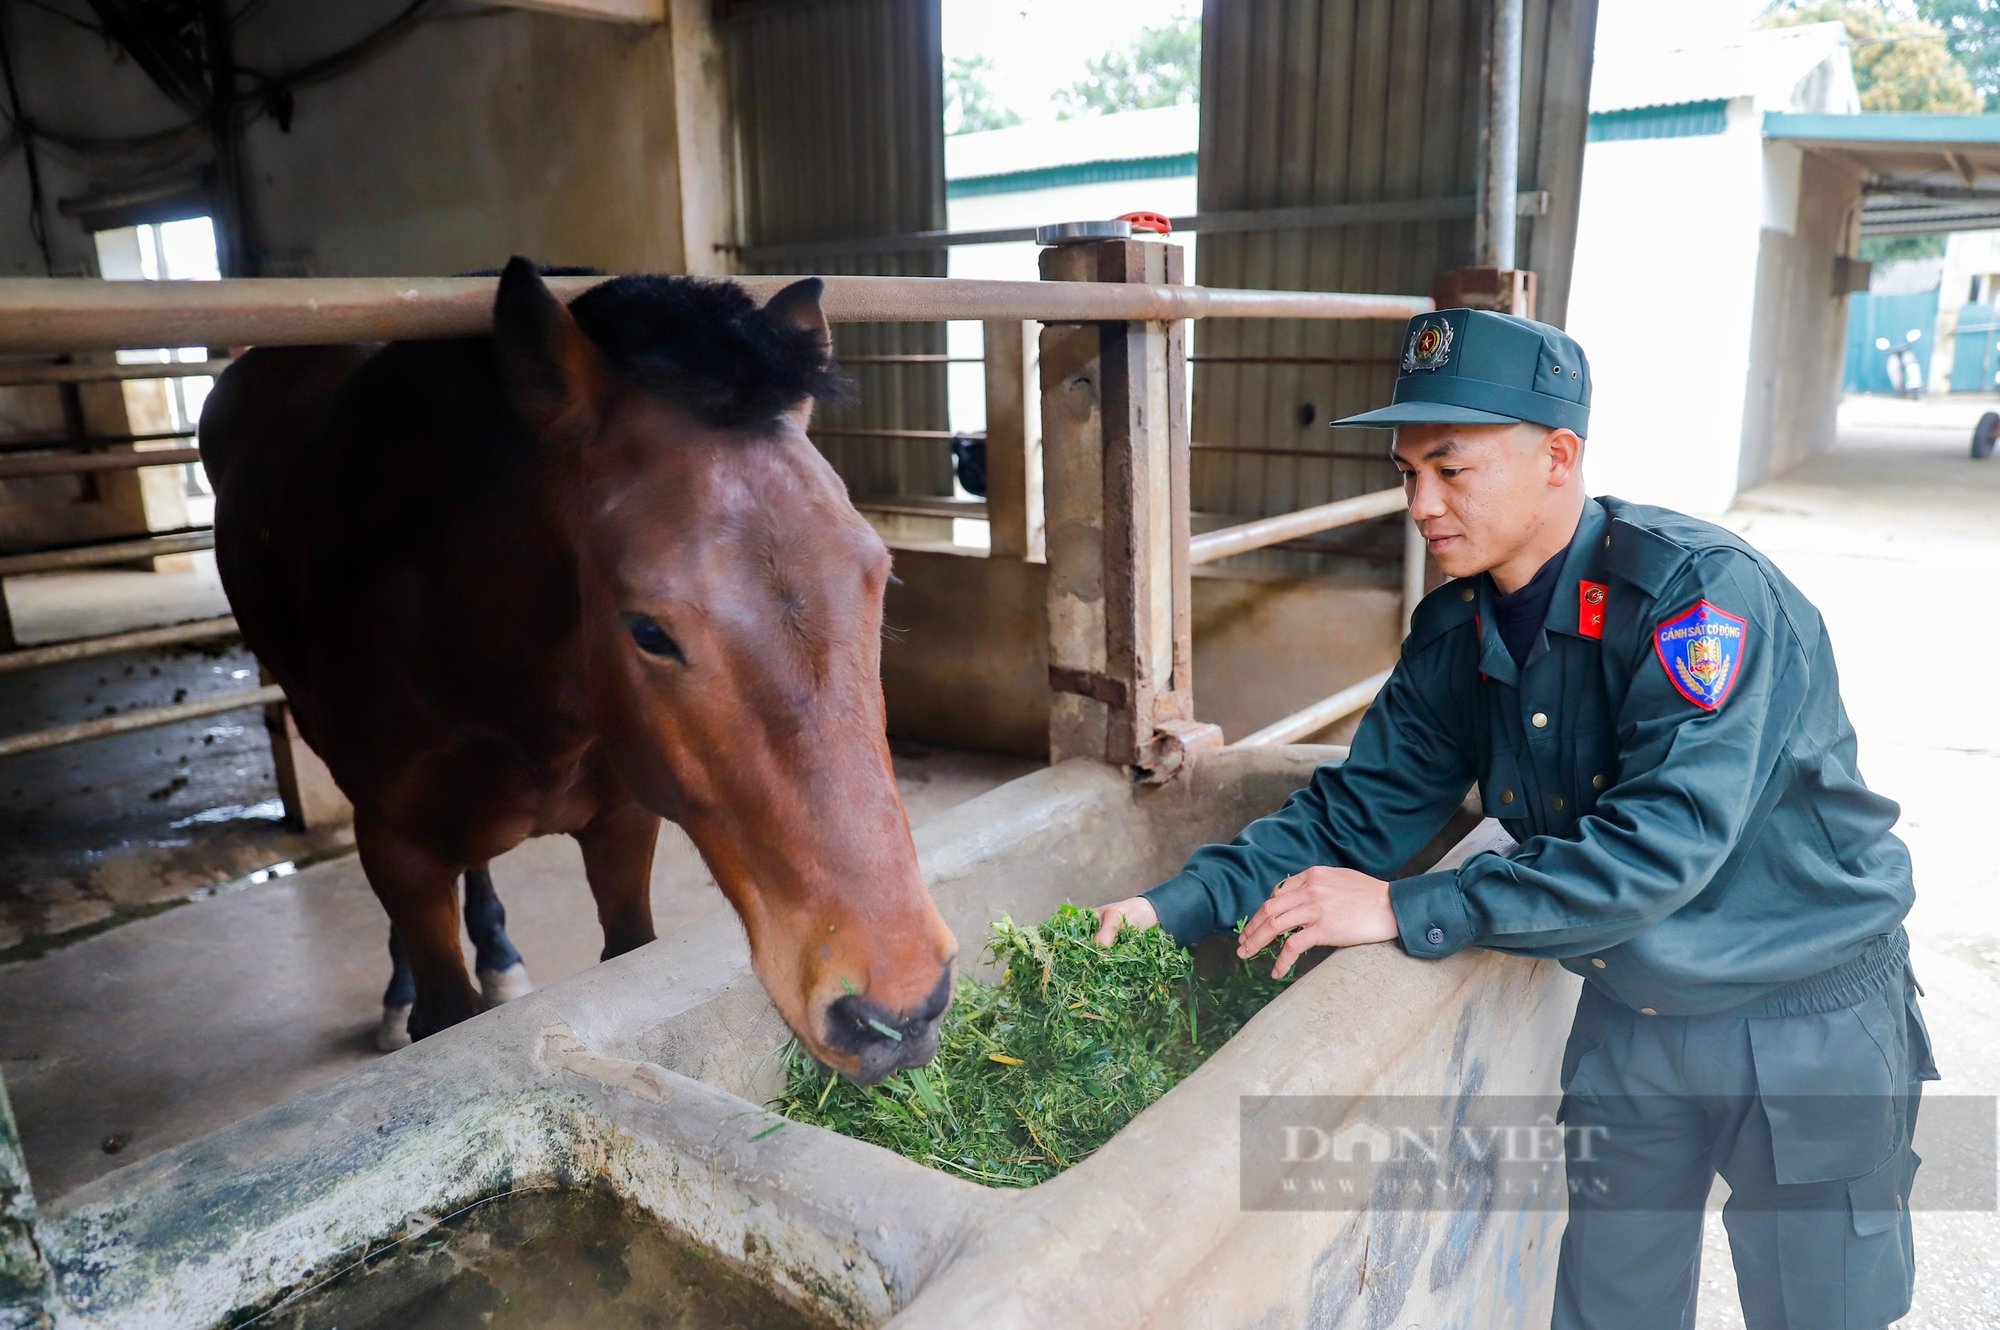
(1475, 367)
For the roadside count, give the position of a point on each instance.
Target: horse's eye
(652, 639)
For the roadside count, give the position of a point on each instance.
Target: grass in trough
(1035, 1072)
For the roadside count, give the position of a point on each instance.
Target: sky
(1038, 46)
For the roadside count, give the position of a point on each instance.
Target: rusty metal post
(1115, 475)
(1496, 283)
(1014, 441)
(27, 1290)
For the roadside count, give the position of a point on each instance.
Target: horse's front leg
(618, 861)
(420, 892)
(502, 976)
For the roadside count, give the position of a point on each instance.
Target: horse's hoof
(394, 1031)
(498, 986)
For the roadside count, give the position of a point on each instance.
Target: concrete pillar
(1115, 485)
(27, 1289)
(312, 801)
(1014, 442)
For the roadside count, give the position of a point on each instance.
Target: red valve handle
(1148, 221)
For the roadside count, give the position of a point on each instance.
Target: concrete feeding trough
(646, 1075)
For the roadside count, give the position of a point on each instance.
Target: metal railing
(40, 315)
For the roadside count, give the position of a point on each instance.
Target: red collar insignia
(1590, 598)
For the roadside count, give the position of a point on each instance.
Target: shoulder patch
(1702, 650)
(1444, 609)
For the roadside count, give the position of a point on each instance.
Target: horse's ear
(797, 306)
(555, 375)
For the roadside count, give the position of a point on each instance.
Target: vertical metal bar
(1415, 573)
(1014, 442)
(1500, 169)
(232, 248)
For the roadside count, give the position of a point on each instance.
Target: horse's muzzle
(882, 1042)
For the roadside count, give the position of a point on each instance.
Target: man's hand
(1321, 907)
(1135, 910)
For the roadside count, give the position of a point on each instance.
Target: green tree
(969, 104)
(1972, 31)
(1900, 63)
(1162, 67)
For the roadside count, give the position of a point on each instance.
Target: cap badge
(1429, 347)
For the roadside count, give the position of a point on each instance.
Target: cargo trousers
(1807, 1117)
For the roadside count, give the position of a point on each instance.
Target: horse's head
(731, 617)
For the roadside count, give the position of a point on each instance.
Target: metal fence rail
(69, 464)
(52, 314)
(62, 316)
(42, 375)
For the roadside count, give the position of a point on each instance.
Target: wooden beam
(1961, 164)
(607, 11)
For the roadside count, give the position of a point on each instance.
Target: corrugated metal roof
(1768, 66)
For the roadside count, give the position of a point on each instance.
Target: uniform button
(1434, 936)
(1598, 782)
(1647, 1011)
(1506, 796)
(1556, 802)
(1540, 720)
(1467, 594)
(1597, 961)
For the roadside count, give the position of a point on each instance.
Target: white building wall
(1662, 301)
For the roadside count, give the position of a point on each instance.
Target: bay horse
(575, 577)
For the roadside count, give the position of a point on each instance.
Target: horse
(574, 577)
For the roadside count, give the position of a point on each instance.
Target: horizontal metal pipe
(1213, 545)
(76, 314)
(1310, 454)
(64, 464)
(92, 556)
(12, 376)
(1531, 203)
(31, 443)
(141, 639)
(1317, 716)
(36, 740)
(914, 358)
(918, 506)
(1292, 360)
(926, 434)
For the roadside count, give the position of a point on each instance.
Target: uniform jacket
(1694, 836)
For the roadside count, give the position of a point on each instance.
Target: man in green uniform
(1651, 710)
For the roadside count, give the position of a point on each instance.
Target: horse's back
(385, 540)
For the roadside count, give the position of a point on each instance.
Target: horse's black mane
(706, 346)
(703, 345)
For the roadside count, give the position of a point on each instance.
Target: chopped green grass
(1035, 1072)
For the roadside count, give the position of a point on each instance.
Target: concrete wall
(965, 659)
(1662, 300)
(1797, 352)
(471, 139)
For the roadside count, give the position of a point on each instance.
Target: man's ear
(555, 376)
(1565, 455)
(797, 306)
